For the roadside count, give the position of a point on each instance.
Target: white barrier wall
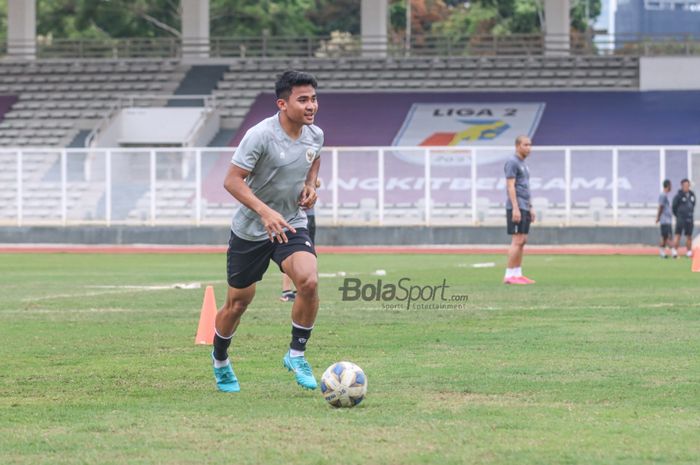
(669, 73)
(177, 126)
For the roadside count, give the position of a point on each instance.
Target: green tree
(102, 18)
(579, 8)
(162, 18)
(424, 14)
(252, 18)
(467, 21)
(502, 17)
(336, 15)
(3, 23)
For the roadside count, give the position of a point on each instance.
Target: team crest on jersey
(310, 155)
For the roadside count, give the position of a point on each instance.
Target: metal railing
(162, 47)
(348, 45)
(359, 185)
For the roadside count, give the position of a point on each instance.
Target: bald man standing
(519, 212)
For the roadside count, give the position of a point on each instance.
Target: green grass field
(598, 363)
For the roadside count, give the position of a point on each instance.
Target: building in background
(637, 18)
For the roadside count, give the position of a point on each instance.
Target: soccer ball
(344, 384)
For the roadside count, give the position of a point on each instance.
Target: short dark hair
(667, 183)
(289, 79)
(520, 138)
(685, 180)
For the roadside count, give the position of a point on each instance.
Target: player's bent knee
(308, 285)
(235, 308)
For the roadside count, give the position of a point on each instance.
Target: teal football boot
(226, 380)
(302, 371)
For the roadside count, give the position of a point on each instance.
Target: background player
(684, 209)
(665, 218)
(519, 212)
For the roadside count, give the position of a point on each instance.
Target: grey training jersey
(516, 168)
(278, 167)
(666, 214)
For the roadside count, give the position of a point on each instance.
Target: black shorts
(311, 220)
(666, 231)
(684, 225)
(247, 261)
(518, 228)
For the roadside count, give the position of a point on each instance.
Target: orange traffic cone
(696, 258)
(205, 331)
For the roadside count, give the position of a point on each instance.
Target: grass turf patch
(596, 363)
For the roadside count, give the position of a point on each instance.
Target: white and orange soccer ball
(344, 384)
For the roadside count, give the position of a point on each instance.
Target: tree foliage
(424, 14)
(579, 9)
(3, 23)
(253, 18)
(336, 15)
(161, 18)
(108, 18)
(502, 17)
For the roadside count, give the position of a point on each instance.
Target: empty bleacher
(42, 194)
(174, 201)
(58, 98)
(248, 77)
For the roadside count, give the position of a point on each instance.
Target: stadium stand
(58, 98)
(57, 103)
(247, 77)
(199, 80)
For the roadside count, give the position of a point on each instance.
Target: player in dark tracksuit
(683, 207)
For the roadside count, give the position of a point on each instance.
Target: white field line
(114, 289)
(63, 311)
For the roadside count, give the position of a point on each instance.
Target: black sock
(299, 338)
(221, 347)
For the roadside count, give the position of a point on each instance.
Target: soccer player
(684, 207)
(665, 218)
(519, 212)
(273, 175)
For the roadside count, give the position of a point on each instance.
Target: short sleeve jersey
(278, 168)
(516, 168)
(666, 214)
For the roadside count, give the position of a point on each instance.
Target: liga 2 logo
(464, 124)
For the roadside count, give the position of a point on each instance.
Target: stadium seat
(79, 91)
